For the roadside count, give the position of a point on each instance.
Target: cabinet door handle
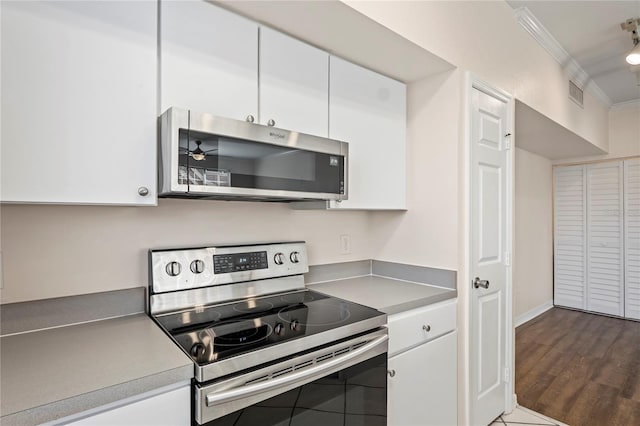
(391, 373)
(271, 122)
(250, 118)
(426, 328)
(143, 191)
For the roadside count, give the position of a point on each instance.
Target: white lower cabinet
(422, 380)
(172, 408)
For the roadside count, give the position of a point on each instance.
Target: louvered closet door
(632, 237)
(570, 237)
(605, 242)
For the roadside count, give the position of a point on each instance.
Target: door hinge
(507, 258)
(507, 374)
(507, 141)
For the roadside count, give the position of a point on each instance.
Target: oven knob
(197, 266)
(197, 350)
(173, 269)
(278, 328)
(295, 257)
(278, 258)
(294, 325)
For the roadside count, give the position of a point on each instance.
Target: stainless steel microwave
(205, 156)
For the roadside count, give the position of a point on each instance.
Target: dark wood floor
(579, 368)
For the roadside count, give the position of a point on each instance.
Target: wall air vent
(576, 94)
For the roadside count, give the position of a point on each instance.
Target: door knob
(477, 282)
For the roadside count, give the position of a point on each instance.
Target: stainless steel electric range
(266, 350)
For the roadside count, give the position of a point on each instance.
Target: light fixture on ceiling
(631, 25)
(198, 154)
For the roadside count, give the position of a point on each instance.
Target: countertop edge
(95, 399)
(418, 303)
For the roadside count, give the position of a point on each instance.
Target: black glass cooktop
(213, 333)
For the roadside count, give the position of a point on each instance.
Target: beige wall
(533, 245)
(51, 251)
(427, 234)
(624, 136)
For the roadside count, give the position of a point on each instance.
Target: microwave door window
(264, 166)
(200, 159)
(212, 160)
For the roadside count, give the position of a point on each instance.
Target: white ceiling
(590, 32)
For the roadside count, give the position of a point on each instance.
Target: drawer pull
(426, 328)
(392, 373)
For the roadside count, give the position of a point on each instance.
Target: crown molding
(575, 72)
(632, 104)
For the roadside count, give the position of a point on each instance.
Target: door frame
(471, 82)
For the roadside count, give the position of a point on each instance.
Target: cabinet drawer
(420, 325)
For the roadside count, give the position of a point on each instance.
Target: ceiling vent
(576, 94)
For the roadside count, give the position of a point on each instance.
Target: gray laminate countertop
(388, 295)
(49, 374)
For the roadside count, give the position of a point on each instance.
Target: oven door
(341, 384)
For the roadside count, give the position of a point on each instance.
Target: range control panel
(225, 263)
(182, 269)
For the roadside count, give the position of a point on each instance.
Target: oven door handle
(304, 375)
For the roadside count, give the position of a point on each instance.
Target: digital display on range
(226, 263)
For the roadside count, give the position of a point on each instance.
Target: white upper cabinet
(79, 102)
(368, 110)
(208, 60)
(294, 84)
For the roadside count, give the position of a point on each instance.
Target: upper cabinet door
(294, 84)
(79, 102)
(368, 110)
(208, 60)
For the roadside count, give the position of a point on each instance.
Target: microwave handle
(302, 376)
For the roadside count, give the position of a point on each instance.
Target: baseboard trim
(528, 316)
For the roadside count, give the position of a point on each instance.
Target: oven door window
(207, 160)
(355, 396)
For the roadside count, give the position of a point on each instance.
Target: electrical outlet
(345, 244)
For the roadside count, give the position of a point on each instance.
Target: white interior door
(489, 256)
(632, 237)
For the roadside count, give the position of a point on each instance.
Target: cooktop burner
(253, 305)
(223, 331)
